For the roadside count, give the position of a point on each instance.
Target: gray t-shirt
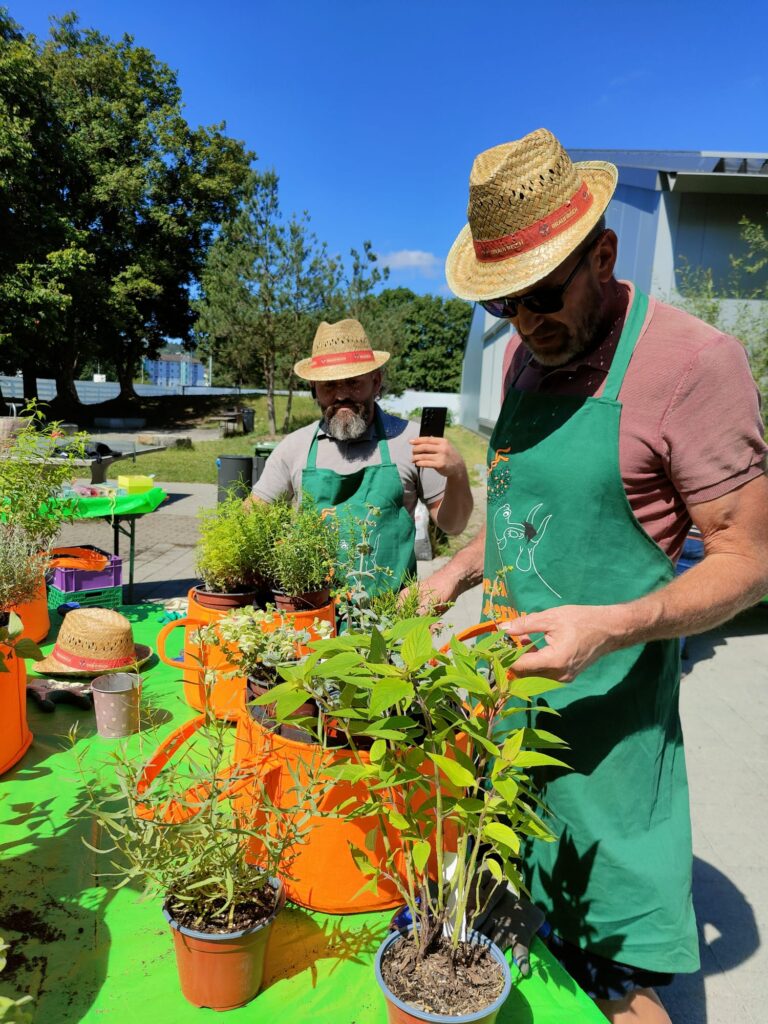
(282, 473)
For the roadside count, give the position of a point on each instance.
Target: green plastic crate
(106, 597)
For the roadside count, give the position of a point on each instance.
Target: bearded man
(358, 457)
(624, 422)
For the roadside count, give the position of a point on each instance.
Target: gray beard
(586, 335)
(345, 426)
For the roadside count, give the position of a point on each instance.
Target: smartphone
(433, 421)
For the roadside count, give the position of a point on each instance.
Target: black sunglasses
(543, 300)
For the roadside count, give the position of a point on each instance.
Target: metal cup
(116, 703)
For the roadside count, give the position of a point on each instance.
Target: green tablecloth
(121, 505)
(89, 954)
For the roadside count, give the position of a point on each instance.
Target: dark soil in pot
(438, 985)
(248, 914)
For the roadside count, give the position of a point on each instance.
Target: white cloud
(424, 263)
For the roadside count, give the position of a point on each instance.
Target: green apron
(561, 531)
(390, 533)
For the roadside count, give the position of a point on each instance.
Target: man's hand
(576, 636)
(437, 453)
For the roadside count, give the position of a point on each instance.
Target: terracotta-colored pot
(399, 1012)
(15, 736)
(226, 970)
(223, 602)
(302, 602)
(35, 616)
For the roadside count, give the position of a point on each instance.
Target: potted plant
(21, 568)
(184, 829)
(256, 642)
(448, 780)
(303, 560)
(34, 468)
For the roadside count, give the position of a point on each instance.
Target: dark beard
(347, 422)
(582, 338)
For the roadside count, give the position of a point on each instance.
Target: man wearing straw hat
(624, 422)
(358, 456)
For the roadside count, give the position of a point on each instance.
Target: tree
(127, 203)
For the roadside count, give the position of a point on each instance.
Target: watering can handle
(163, 635)
(481, 627)
(184, 810)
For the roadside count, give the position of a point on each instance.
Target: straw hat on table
(340, 350)
(530, 207)
(92, 642)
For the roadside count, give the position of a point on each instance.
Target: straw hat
(340, 350)
(529, 208)
(91, 642)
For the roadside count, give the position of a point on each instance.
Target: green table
(88, 954)
(122, 512)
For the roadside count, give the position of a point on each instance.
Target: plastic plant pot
(399, 1012)
(223, 971)
(116, 703)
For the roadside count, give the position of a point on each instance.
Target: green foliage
(110, 199)
(255, 639)
(450, 763)
(426, 334)
(304, 555)
(22, 566)
(34, 465)
(236, 543)
(11, 630)
(185, 837)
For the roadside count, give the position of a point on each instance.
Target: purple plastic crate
(71, 580)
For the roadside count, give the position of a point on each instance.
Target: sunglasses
(543, 300)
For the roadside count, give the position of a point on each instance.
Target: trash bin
(234, 475)
(261, 453)
(248, 416)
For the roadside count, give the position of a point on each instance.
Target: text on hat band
(360, 355)
(90, 664)
(492, 250)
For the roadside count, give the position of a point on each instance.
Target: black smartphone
(433, 421)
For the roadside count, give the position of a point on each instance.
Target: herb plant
(304, 557)
(22, 566)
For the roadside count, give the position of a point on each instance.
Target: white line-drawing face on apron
(526, 535)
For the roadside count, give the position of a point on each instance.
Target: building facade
(175, 370)
(671, 211)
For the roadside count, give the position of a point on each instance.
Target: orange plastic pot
(222, 971)
(34, 615)
(15, 736)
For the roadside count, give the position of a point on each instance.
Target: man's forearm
(462, 572)
(705, 596)
(456, 506)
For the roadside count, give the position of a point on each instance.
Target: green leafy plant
(304, 557)
(233, 539)
(35, 464)
(22, 565)
(252, 649)
(448, 771)
(185, 836)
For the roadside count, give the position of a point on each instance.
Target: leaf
(534, 759)
(454, 772)
(362, 863)
(494, 867)
(420, 852)
(26, 648)
(378, 750)
(500, 833)
(512, 745)
(542, 738)
(378, 652)
(507, 789)
(389, 692)
(396, 820)
(340, 663)
(531, 686)
(417, 647)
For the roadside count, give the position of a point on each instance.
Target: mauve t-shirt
(690, 422)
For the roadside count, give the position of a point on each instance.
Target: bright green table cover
(86, 953)
(120, 505)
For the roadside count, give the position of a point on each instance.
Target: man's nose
(526, 321)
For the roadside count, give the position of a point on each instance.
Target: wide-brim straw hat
(340, 350)
(529, 208)
(93, 642)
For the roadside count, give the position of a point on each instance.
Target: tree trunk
(289, 402)
(125, 379)
(270, 382)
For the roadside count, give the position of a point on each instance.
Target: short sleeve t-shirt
(690, 422)
(282, 473)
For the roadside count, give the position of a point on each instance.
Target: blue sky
(371, 113)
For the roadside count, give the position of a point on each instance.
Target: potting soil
(86, 953)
